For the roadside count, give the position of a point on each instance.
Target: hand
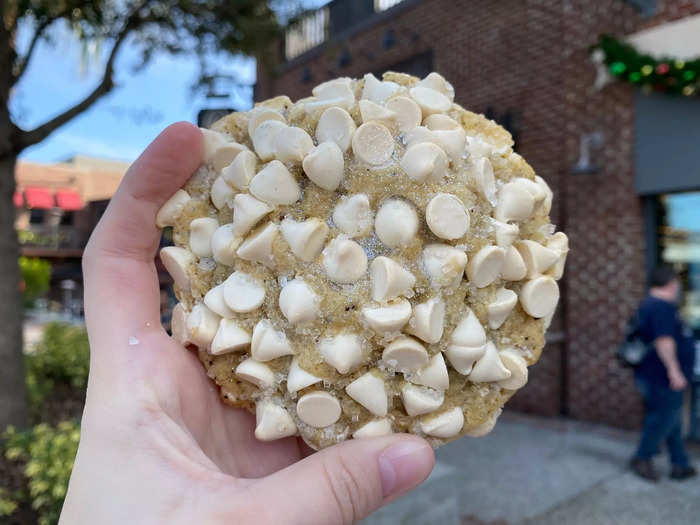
(677, 380)
(157, 444)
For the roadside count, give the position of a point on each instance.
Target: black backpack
(633, 349)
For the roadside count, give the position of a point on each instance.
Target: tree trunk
(13, 397)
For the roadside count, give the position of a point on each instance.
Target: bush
(36, 274)
(48, 454)
(60, 362)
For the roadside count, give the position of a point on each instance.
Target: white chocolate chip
(501, 307)
(446, 216)
(489, 367)
(485, 427)
(305, 238)
(202, 325)
(396, 223)
(485, 266)
(514, 362)
(430, 100)
(265, 137)
(377, 90)
(230, 337)
(408, 113)
(420, 135)
(420, 400)
(506, 233)
(298, 302)
(214, 300)
(514, 268)
(558, 242)
(335, 125)
(439, 121)
(178, 324)
(219, 151)
(221, 193)
(370, 111)
(324, 165)
(257, 373)
(434, 374)
(170, 211)
(537, 191)
(292, 145)
(298, 378)
(176, 261)
(318, 409)
(445, 425)
(424, 161)
(469, 331)
(224, 245)
(369, 391)
(405, 354)
(247, 211)
(438, 83)
(515, 203)
(547, 201)
(243, 293)
(353, 216)
(240, 172)
(485, 180)
(343, 352)
(259, 115)
(268, 343)
(272, 421)
(373, 144)
(428, 320)
(389, 318)
(443, 264)
(201, 232)
(453, 141)
(336, 89)
(538, 259)
(462, 358)
(275, 185)
(389, 279)
(344, 260)
(376, 428)
(258, 246)
(313, 105)
(539, 296)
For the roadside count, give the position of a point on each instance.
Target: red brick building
(526, 63)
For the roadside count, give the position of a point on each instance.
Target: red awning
(18, 199)
(40, 198)
(69, 200)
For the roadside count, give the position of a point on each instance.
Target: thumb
(346, 482)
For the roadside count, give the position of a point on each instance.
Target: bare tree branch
(24, 61)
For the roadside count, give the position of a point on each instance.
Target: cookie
(367, 260)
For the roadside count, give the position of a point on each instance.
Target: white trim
(679, 39)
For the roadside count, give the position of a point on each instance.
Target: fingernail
(404, 465)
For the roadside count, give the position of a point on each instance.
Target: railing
(49, 236)
(315, 28)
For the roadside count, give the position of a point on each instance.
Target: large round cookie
(370, 259)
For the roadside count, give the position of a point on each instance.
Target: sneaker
(680, 473)
(644, 468)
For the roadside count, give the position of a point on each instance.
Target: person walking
(662, 376)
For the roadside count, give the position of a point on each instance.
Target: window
(37, 216)
(67, 218)
(308, 32)
(679, 245)
(383, 5)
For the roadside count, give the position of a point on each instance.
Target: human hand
(677, 380)
(157, 444)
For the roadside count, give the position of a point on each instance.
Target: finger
(121, 285)
(346, 482)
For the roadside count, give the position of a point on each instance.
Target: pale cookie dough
(368, 260)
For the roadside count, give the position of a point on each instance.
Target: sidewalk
(537, 471)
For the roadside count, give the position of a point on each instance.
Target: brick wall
(530, 58)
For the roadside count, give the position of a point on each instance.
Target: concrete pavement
(538, 471)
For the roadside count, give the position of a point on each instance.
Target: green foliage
(62, 357)
(665, 74)
(48, 454)
(36, 274)
(8, 504)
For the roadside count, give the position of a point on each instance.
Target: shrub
(36, 274)
(48, 454)
(61, 358)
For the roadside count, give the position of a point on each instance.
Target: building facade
(526, 64)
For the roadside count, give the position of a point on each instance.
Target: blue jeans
(662, 422)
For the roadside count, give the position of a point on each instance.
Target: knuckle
(352, 500)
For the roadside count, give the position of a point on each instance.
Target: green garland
(665, 75)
